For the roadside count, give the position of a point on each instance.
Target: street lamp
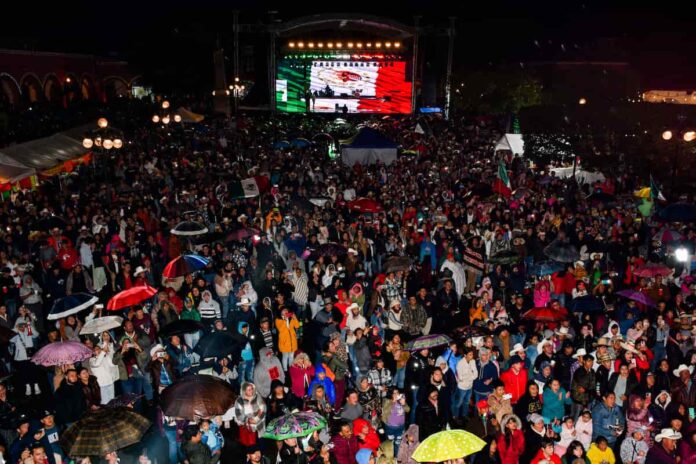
(163, 115)
(103, 137)
(682, 138)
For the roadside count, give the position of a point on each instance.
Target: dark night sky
(657, 38)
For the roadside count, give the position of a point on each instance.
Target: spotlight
(667, 135)
(689, 136)
(682, 255)
(582, 101)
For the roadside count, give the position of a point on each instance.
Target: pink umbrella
(650, 270)
(58, 353)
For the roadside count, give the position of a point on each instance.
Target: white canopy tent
(511, 142)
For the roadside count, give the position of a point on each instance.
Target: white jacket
(103, 369)
(466, 374)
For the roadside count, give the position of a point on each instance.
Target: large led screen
(327, 86)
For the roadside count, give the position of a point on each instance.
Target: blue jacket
(247, 352)
(603, 418)
(554, 408)
(489, 371)
(429, 247)
(328, 385)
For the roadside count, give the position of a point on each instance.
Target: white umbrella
(101, 324)
(71, 304)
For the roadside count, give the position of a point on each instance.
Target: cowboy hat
(156, 349)
(580, 352)
(629, 346)
(603, 341)
(596, 255)
(541, 344)
(683, 367)
(244, 301)
(579, 263)
(605, 357)
(563, 331)
(518, 348)
(669, 434)
(138, 270)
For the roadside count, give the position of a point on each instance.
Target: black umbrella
(181, 326)
(505, 257)
(397, 263)
(678, 212)
(218, 345)
(586, 304)
(562, 252)
(52, 222)
(189, 229)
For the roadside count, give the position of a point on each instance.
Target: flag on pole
(502, 183)
(655, 193)
(249, 188)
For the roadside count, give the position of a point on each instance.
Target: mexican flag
(655, 193)
(249, 188)
(502, 183)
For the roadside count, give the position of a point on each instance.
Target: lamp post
(238, 91)
(164, 116)
(103, 137)
(682, 139)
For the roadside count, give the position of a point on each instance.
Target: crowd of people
(542, 357)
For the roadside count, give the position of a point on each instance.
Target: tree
(495, 92)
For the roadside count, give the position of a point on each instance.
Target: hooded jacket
(266, 371)
(328, 385)
(406, 449)
(250, 411)
(371, 439)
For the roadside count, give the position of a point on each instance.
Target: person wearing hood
(430, 416)
(280, 402)
(409, 443)
(266, 371)
(30, 295)
(370, 400)
(249, 414)
(510, 440)
(658, 409)
(189, 312)
(634, 448)
(515, 379)
(287, 326)
(209, 309)
(320, 378)
(600, 451)
(535, 436)
(529, 403)
(366, 435)
(246, 363)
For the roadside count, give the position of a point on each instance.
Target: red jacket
(516, 385)
(540, 458)
(345, 449)
(371, 440)
(510, 454)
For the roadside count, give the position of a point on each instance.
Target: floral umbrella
(427, 342)
(447, 445)
(294, 425)
(58, 353)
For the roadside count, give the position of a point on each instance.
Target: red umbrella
(546, 315)
(649, 271)
(365, 205)
(131, 297)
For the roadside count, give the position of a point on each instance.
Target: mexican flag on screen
(249, 188)
(502, 183)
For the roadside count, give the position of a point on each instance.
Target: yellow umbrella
(446, 445)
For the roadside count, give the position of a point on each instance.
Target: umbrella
(300, 143)
(185, 264)
(329, 249)
(650, 270)
(6, 334)
(294, 425)
(505, 257)
(469, 331)
(319, 201)
(101, 324)
(427, 342)
(520, 193)
(601, 197)
(241, 234)
(481, 190)
(638, 297)
(678, 212)
(397, 263)
(71, 304)
(668, 236)
(365, 205)
(281, 144)
(189, 229)
(57, 353)
(124, 400)
(545, 315)
(180, 326)
(103, 431)
(586, 304)
(323, 136)
(448, 445)
(562, 252)
(52, 222)
(545, 268)
(131, 297)
(197, 396)
(217, 345)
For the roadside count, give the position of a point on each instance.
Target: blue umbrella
(282, 144)
(71, 304)
(300, 143)
(678, 212)
(185, 264)
(544, 268)
(586, 304)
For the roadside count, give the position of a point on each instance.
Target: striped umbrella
(427, 342)
(103, 431)
(185, 264)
